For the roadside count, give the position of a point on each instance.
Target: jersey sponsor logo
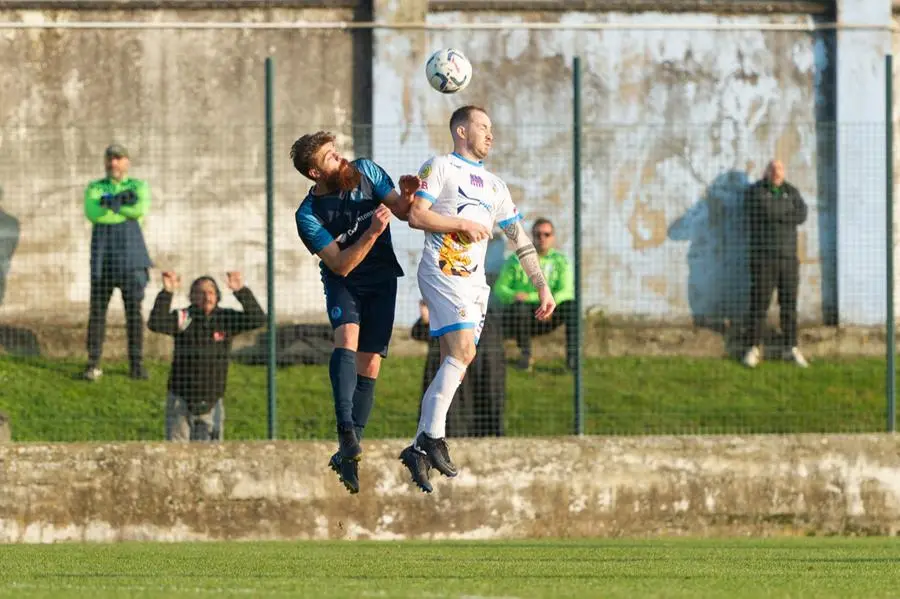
(476, 181)
(453, 256)
(352, 230)
(470, 201)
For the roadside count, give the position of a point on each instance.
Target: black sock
(342, 369)
(363, 398)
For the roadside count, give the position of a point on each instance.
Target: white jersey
(460, 187)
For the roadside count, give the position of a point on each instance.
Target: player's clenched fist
(471, 231)
(380, 219)
(409, 184)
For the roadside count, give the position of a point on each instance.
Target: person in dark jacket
(774, 209)
(116, 205)
(203, 334)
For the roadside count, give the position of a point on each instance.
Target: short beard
(346, 178)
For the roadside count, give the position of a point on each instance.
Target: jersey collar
(467, 161)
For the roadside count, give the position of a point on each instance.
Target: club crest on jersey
(476, 181)
(425, 170)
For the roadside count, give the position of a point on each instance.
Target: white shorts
(454, 304)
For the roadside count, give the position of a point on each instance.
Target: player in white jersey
(457, 205)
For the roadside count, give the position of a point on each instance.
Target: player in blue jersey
(345, 221)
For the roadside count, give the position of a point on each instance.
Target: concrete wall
(676, 122)
(525, 488)
(190, 107)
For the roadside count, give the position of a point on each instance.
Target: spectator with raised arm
(203, 335)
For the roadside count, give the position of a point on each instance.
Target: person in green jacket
(520, 299)
(116, 205)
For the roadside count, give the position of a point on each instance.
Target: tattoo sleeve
(527, 255)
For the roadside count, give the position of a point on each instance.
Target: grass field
(622, 395)
(732, 568)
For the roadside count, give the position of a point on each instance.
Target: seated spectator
(520, 299)
(203, 334)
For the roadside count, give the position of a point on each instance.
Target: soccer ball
(448, 71)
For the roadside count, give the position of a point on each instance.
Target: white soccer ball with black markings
(448, 71)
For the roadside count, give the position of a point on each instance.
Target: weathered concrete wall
(189, 105)
(676, 122)
(524, 488)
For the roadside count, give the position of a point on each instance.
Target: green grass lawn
(731, 568)
(47, 402)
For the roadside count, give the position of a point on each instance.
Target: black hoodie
(203, 344)
(773, 216)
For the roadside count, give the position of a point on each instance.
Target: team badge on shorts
(336, 312)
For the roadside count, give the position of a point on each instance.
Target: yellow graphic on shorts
(453, 256)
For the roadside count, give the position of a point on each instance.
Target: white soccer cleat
(752, 357)
(797, 358)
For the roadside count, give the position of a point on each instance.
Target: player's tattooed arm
(527, 255)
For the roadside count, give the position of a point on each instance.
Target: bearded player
(457, 205)
(345, 221)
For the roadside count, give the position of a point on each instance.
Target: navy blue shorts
(369, 306)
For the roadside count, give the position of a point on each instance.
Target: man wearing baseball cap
(116, 206)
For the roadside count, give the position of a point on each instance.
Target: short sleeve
(381, 181)
(432, 175)
(313, 235)
(505, 211)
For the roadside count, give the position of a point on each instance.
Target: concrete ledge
(723, 7)
(507, 488)
(171, 4)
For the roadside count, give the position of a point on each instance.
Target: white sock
(438, 396)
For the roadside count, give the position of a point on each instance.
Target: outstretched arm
(531, 264)
(422, 217)
(400, 203)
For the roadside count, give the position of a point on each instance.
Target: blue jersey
(343, 217)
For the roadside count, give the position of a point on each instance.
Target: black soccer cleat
(438, 454)
(417, 464)
(349, 444)
(347, 471)
(335, 463)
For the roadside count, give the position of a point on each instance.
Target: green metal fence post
(576, 193)
(270, 244)
(891, 382)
